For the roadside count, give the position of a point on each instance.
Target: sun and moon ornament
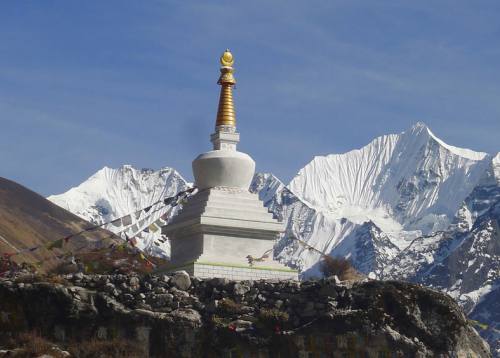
(227, 59)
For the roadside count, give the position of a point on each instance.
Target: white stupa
(224, 230)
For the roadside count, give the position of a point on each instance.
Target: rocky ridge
(188, 317)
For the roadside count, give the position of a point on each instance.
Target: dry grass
(115, 348)
(56, 279)
(33, 278)
(30, 278)
(272, 319)
(228, 306)
(273, 316)
(340, 267)
(32, 344)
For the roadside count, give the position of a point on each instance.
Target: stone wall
(180, 316)
(208, 271)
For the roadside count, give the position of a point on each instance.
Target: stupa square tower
(224, 230)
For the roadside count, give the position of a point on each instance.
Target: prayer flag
(148, 208)
(127, 220)
(153, 227)
(169, 201)
(159, 223)
(138, 214)
(117, 222)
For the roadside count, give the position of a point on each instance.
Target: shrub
(62, 268)
(29, 278)
(219, 321)
(57, 279)
(273, 316)
(227, 305)
(340, 267)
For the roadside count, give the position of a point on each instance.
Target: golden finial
(226, 115)
(227, 59)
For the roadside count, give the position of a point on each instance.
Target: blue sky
(84, 84)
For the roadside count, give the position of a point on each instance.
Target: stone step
(232, 213)
(239, 214)
(225, 211)
(243, 204)
(227, 195)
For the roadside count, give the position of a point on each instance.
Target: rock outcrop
(174, 315)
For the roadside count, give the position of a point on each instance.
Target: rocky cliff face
(187, 317)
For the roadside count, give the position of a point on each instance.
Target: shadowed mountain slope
(27, 219)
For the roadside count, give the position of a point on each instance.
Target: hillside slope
(28, 219)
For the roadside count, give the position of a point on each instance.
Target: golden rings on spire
(226, 114)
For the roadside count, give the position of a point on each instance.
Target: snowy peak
(411, 180)
(421, 129)
(111, 193)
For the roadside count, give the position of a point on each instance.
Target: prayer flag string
(170, 201)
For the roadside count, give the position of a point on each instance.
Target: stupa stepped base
(237, 272)
(218, 230)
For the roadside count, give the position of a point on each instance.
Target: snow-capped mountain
(405, 206)
(113, 193)
(410, 181)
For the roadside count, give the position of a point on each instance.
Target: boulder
(181, 280)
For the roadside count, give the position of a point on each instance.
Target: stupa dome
(223, 168)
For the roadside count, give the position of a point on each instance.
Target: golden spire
(226, 115)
